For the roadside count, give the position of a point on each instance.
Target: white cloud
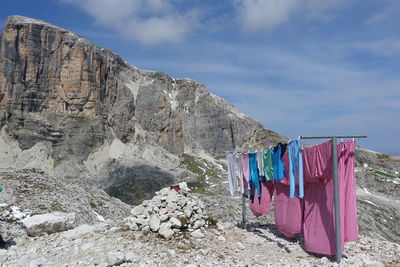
(264, 15)
(147, 21)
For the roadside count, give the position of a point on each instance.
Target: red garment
(319, 222)
(261, 205)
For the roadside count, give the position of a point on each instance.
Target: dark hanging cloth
(283, 148)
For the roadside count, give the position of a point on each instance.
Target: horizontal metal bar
(334, 136)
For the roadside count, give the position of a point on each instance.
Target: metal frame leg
(337, 200)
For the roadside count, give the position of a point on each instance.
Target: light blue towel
(296, 162)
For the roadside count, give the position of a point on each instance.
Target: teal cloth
(268, 169)
(1, 188)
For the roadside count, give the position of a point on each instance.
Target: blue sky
(300, 67)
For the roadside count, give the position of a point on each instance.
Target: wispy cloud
(146, 21)
(265, 15)
(389, 14)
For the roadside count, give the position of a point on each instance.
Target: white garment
(239, 172)
(260, 163)
(232, 180)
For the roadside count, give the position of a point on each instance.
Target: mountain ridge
(58, 88)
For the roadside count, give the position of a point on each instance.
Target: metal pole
(244, 209)
(336, 136)
(337, 200)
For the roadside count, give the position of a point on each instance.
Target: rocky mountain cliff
(58, 89)
(75, 116)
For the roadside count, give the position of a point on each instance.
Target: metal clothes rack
(335, 184)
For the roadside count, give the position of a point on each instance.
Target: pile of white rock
(172, 211)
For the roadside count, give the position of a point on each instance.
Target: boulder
(163, 218)
(140, 221)
(49, 223)
(172, 196)
(138, 210)
(176, 223)
(198, 224)
(197, 234)
(154, 223)
(166, 231)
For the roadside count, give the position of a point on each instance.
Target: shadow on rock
(5, 244)
(132, 185)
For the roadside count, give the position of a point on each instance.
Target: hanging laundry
(296, 168)
(267, 162)
(348, 181)
(277, 163)
(239, 171)
(231, 174)
(246, 171)
(260, 165)
(319, 224)
(283, 148)
(254, 180)
(288, 211)
(261, 205)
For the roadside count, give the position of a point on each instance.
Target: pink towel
(288, 211)
(246, 170)
(261, 205)
(319, 223)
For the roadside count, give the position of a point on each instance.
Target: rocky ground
(112, 244)
(137, 240)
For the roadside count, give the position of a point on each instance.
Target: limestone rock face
(56, 86)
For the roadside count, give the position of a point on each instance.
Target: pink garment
(246, 170)
(349, 200)
(319, 222)
(261, 205)
(317, 162)
(288, 211)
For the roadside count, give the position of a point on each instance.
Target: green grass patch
(383, 174)
(203, 169)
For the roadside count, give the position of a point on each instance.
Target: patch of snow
(133, 87)
(201, 169)
(220, 166)
(373, 204)
(17, 214)
(366, 191)
(99, 217)
(392, 181)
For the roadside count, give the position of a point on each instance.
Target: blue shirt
(277, 163)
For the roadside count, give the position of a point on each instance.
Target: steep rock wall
(52, 81)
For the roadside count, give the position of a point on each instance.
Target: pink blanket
(319, 224)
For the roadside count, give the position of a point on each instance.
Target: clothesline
(306, 137)
(333, 155)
